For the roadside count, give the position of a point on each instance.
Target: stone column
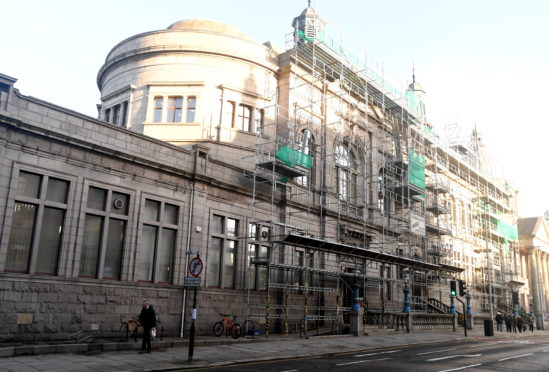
(533, 276)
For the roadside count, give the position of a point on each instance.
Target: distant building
(296, 175)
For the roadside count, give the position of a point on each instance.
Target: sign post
(195, 268)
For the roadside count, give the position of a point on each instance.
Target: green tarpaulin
(294, 158)
(416, 170)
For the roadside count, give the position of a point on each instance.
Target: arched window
(306, 145)
(346, 173)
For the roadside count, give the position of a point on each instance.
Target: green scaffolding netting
(508, 231)
(416, 169)
(293, 158)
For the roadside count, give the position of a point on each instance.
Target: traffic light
(462, 285)
(453, 289)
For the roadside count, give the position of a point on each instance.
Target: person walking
(499, 321)
(519, 323)
(147, 317)
(507, 319)
(531, 323)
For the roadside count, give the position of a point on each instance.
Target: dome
(207, 25)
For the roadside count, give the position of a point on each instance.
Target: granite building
(300, 177)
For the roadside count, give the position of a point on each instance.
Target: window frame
(346, 187)
(243, 118)
(226, 239)
(174, 112)
(160, 225)
(41, 204)
(257, 241)
(106, 216)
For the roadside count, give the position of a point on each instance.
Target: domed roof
(207, 25)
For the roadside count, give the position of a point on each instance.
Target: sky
(482, 63)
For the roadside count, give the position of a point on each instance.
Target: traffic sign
(191, 281)
(196, 266)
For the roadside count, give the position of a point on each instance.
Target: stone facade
(98, 215)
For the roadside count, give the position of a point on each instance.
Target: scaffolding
(351, 187)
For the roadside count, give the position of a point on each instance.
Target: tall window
(158, 105)
(258, 252)
(382, 199)
(116, 115)
(244, 118)
(37, 224)
(223, 251)
(108, 115)
(306, 147)
(104, 234)
(159, 234)
(346, 177)
(191, 109)
(175, 107)
(259, 118)
(228, 114)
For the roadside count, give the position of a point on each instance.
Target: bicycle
(129, 327)
(227, 326)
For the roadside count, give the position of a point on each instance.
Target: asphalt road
(526, 354)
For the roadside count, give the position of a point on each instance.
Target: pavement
(172, 354)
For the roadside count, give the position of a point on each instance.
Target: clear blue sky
(482, 62)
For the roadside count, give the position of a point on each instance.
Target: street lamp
(406, 277)
(485, 205)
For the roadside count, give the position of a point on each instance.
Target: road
(526, 354)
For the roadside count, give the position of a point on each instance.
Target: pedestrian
(514, 323)
(147, 317)
(531, 323)
(519, 323)
(499, 322)
(507, 319)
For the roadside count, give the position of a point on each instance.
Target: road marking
(381, 352)
(438, 351)
(361, 361)
(290, 370)
(545, 351)
(513, 357)
(457, 369)
(479, 345)
(454, 356)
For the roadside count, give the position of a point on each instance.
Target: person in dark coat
(531, 323)
(499, 321)
(147, 317)
(519, 323)
(507, 319)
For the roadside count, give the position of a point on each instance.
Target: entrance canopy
(335, 247)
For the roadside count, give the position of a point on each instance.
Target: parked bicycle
(129, 327)
(228, 326)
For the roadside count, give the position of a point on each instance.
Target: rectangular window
(244, 118)
(146, 254)
(158, 105)
(175, 107)
(116, 115)
(108, 115)
(223, 252)
(90, 247)
(50, 241)
(191, 109)
(37, 224)
(124, 115)
(104, 235)
(156, 253)
(259, 118)
(228, 114)
(258, 256)
(24, 216)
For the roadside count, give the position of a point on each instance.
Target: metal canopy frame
(335, 247)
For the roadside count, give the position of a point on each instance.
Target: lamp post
(406, 277)
(488, 260)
